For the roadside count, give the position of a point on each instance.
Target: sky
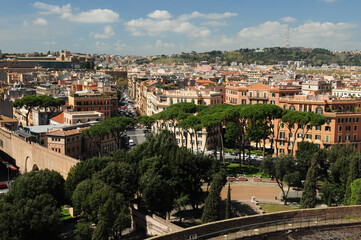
(155, 27)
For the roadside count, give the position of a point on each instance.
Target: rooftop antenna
(288, 36)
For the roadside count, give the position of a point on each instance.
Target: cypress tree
(353, 175)
(228, 203)
(308, 199)
(210, 211)
(358, 201)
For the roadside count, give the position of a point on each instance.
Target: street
(137, 135)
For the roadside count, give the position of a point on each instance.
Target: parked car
(131, 142)
(3, 186)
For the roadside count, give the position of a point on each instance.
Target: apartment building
(48, 89)
(71, 142)
(238, 93)
(343, 115)
(343, 124)
(86, 101)
(347, 92)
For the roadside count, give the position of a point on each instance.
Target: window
(199, 143)
(273, 95)
(184, 141)
(355, 128)
(355, 137)
(327, 138)
(300, 109)
(285, 106)
(355, 119)
(178, 140)
(282, 151)
(300, 135)
(290, 135)
(339, 128)
(178, 133)
(199, 135)
(348, 120)
(244, 101)
(282, 143)
(265, 95)
(282, 135)
(244, 93)
(328, 128)
(272, 102)
(319, 110)
(340, 120)
(348, 128)
(282, 125)
(292, 108)
(309, 136)
(318, 128)
(339, 138)
(309, 127)
(328, 120)
(347, 137)
(318, 137)
(250, 94)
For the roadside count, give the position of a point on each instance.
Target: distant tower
(288, 36)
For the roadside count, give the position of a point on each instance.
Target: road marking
(136, 135)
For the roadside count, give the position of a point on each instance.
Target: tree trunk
(190, 134)
(222, 147)
(264, 147)
(196, 140)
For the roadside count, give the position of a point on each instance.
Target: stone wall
(234, 223)
(153, 225)
(29, 156)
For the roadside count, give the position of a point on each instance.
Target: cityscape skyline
(161, 27)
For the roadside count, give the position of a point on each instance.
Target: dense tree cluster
(274, 55)
(30, 102)
(157, 175)
(31, 209)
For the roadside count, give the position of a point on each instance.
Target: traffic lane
(137, 135)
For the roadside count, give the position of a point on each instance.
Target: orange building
(343, 115)
(108, 105)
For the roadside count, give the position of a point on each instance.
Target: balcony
(258, 97)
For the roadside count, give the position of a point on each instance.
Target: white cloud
(160, 22)
(108, 32)
(40, 21)
(215, 23)
(91, 16)
(96, 16)
(288, 19)
(336, 36)
(64, 10)
(25, 23)
(119, 46)
(160, 44)
(213, 16)
(160, 14)
(50, 43)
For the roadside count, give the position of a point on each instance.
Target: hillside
(316, 56)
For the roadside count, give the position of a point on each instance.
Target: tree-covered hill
(316, 56)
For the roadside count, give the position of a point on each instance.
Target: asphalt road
(137, 135)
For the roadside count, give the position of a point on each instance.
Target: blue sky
(152, 27)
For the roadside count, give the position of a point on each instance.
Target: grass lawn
(65, 213)
(248, 170)
(270, 208)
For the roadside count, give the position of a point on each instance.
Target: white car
(131, 142)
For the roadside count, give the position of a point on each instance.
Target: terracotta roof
(59, 118)
(63, 133)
